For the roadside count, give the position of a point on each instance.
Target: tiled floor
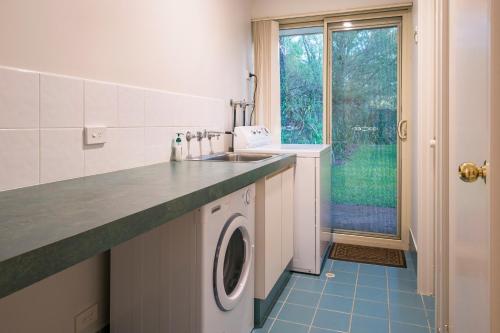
(359, 299)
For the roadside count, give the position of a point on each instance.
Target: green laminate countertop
(47, 228)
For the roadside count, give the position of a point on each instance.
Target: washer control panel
(251, 137)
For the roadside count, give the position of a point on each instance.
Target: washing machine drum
(232, 264)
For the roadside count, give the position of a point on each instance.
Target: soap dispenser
(177, 148)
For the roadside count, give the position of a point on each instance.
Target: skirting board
(413, 251)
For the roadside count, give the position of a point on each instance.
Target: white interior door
(471, 229)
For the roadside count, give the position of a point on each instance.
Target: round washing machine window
(233, 260)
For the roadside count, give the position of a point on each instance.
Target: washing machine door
(233, 262)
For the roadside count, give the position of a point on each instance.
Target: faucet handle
(200, 135)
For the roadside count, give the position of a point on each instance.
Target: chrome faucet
(199, 136)
(189, 136)
(210, 136)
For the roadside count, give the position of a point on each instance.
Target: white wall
(414, 128)
(164, 65)
(42, 117)
(495, 161)
(197, 47)
(280, 8)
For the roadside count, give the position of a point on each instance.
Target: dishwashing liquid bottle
(177, 148)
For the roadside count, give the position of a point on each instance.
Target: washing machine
(312, 192)
(226, 249)
(194, 274)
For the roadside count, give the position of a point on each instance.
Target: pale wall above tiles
(42, 120)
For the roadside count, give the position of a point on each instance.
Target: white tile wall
(61, 101)
(19, 164)
(42, 119)
(18, 99)
(101, 104)
(61, 154)
(130, 107)
(124, 149)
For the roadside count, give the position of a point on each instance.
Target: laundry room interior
(249, 166)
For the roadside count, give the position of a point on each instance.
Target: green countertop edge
(28, 268)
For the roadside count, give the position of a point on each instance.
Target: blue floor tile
(284, 295)
(340, 289)
(431, 317)
(332, 320)
(321, 330)
(285, 327)
(296, 314)
(403, 285)
(400, 273)
(276, 308)
(408, 315)
(336, 303)
(372, 269)
(344, 277)
(371, 309)
(306, 298)
(309, 284)
(405, 299)
(371, 294)
(345, 266)
(406, 328)
(372, 281)
(369, 325)
(429, 302)
(265, 328)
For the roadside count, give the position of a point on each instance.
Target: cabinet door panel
(305, 215)
(287, 216)
(273, 231)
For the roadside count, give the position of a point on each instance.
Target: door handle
(403, 133)
(470, 172)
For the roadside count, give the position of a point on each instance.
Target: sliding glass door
(341, 83)
(364, 114)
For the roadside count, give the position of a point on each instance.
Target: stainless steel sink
(234, 157)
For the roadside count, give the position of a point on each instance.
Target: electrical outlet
(95, 135)
(86, 319)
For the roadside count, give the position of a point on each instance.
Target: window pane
(301, 76)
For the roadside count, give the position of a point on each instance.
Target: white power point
(95, 135)
(86, 320)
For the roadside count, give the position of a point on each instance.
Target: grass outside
(368, 177)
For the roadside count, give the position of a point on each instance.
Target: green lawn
(368, 177)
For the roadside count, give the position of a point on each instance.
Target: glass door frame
(394, 22)
(402, 20)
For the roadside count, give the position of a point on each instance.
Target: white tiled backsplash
(42, 119)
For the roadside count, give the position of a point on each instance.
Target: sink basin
(235, 157)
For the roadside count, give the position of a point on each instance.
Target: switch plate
(86, 319)
(95, 135)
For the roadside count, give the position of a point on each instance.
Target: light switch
(95, 135)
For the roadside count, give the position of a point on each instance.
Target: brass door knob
(470, 172)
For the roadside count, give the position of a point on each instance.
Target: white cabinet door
(305, 216)
(273, 209)
(287, 182)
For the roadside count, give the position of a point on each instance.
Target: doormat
(368, 255)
